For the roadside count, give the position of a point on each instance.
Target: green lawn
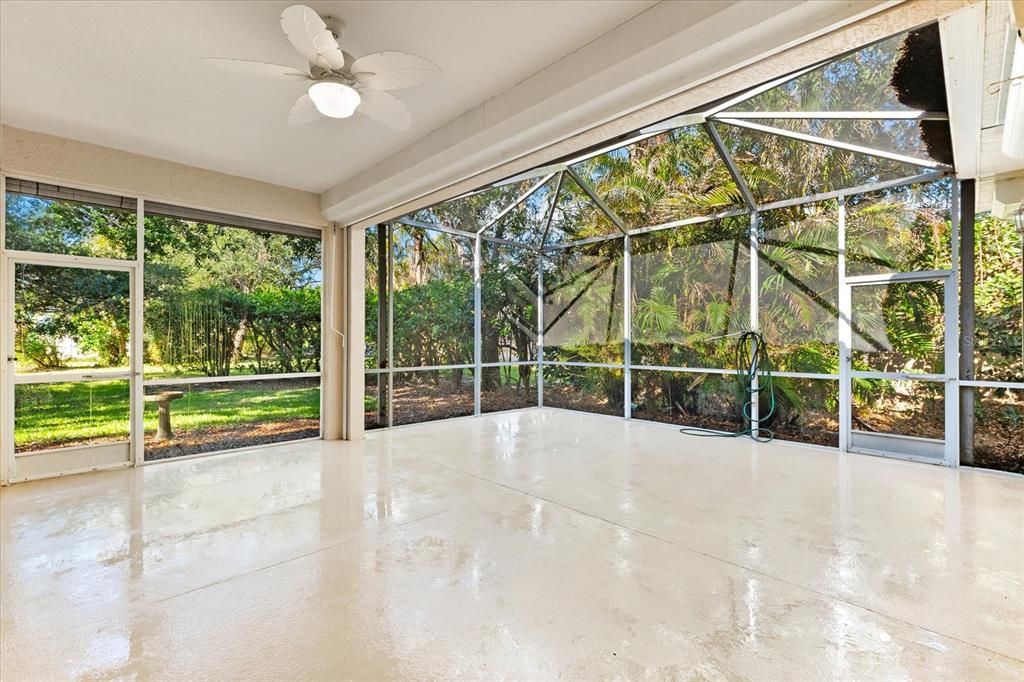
(52, 414)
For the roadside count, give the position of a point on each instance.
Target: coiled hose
(752, 362)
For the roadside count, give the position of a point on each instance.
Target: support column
(967, 326)
(384, 324)
(354, 330)
(136, 430)
(6, 353)
(341, 386)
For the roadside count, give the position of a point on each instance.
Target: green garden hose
(752, 362)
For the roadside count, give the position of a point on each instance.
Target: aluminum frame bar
(462, 233)
(510, 363)
(391, 323)
(627, 327)
(551, 211)
(571, 363)
(676, 122)
(525, 175)
(583, 242)
(540, 330)
(951, 337)
(598, 200)
(695, 220)
(764, 87)
(410, 222)
(59, 260)
(755, 323)
(845, 337)
(885, 278)
(71, 377)
(508, 242)
(238, 378)
(730, 164)
(477, 326)
(604, 149)
(930, 176)
(523, 197)
(897, 376)
(836, 144)
(982, 383)
(682, 370)
(837, 115)
(431, 368)
(136, 331)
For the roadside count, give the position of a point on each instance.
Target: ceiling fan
(338, 85)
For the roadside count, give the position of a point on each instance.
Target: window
(231, 302)
(49, 219)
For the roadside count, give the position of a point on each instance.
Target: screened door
(69, 328)
(900, 359)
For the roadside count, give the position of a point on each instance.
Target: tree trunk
(490, 379)
(239, 339)
(419, 270)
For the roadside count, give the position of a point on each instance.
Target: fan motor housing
(335, 26)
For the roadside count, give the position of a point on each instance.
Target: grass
(55, 414)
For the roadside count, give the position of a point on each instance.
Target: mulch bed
(216, 438)
(423, 402)
(507, 398)
(556, 395)
(817, 431)
(1004, 454)
(415, 403)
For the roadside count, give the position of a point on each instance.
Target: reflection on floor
(526, 544)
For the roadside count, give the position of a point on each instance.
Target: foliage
(286, 322)
(999, 300)
(87, 307)
(218, 299)
(196, 329)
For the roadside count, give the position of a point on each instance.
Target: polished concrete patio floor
(531, 544)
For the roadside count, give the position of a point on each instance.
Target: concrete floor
(533, 544)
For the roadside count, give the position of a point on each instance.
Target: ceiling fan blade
(308, 34)
(392, 70)
(303, 112)
(258, 68)
(385, 108)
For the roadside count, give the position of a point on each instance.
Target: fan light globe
(335, 100)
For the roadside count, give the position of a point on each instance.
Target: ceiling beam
(963, 55)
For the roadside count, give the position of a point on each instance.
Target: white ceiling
(127, 75)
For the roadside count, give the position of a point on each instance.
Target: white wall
(35, 156)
